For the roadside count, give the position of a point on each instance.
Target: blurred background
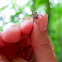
(14, 11)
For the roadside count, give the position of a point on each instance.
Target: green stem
(33, 6)
(49, 14)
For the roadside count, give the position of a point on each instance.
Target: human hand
(27, 43)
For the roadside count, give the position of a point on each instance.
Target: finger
(25, 53)
(2, 43)
(19, 60)
(26, 25)
(40, 40)
(12, 35)
(25, 41)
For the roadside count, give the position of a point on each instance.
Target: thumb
(40, 40)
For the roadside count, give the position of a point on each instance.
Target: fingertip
(43, 21)
(26, 25)
(12, 34)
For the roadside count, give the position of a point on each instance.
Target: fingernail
(43, 23)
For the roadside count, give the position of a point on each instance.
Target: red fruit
(12, 35)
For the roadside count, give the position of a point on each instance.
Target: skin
(32, 39)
